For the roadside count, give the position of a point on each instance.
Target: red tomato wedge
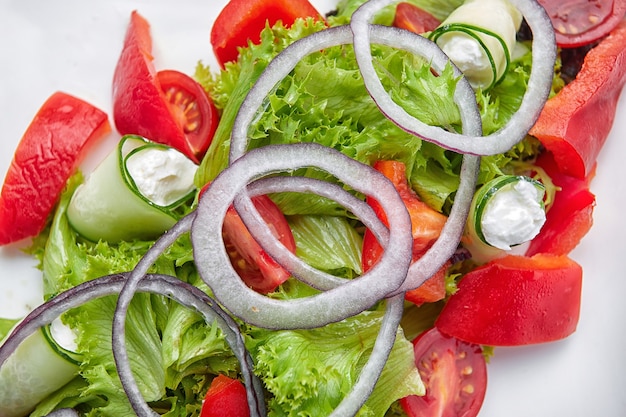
(580, 22)
(570, 216)
(167, 107)
(53, 146)
(575, 123)
(454, 373)
(193, 111)
(242, 21)
(226, 397)
(255, 267)
(426, 227)
(515, 300)
(410, 17)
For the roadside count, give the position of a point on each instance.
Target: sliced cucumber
(479, 37)
(39, 366)
(506, 212)
(123, 199)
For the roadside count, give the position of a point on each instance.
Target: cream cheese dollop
(163, 176)
(513, 216)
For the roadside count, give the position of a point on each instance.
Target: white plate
(73, 45)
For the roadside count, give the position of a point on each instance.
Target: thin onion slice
(333, 305)
(539, 84)
(172, 287)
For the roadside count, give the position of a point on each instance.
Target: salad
(504, 359)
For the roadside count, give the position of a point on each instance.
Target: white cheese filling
(163, 176)
(513, 216)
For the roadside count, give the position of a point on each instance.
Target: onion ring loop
(539, 84)
(179, 291)
(333, 305)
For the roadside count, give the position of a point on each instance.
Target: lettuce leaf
(308, 372)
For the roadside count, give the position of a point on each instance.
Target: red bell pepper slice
(242, 21)
(226, 397)
(142, 107)
(52, 148)
(570, 216)
(426, 227)
(515, 300)
(575, 123)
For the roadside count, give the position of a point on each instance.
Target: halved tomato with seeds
(192, 109)
(454, 373)
(581, 22)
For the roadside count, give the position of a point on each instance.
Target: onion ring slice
(539, 84)
(333, 305)
(172, 287)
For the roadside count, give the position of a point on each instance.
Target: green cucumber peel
(63, 352)
(488, 191)
(472, 31)
(109, 206)
(34, 371)
(142, 145)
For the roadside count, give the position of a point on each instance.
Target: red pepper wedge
(50, 151)
(575, 123)
(515, 300)
(226, 397)
(426, 227)
(141, 107)
(242, 21)
(569, 217)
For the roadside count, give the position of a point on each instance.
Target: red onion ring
(333, 305)
(172, 287)
(539, 84)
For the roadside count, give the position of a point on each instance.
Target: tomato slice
(454, 373)
(241, 21)
(193, 110)
(515, 300)
(426, 224)
(255, 267)
(50, 151)
(226, 397)
(581, 22)
(141, 107)
(410, 17)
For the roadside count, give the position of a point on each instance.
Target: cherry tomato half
(192, 109)
(580, 22)
(255, 267)
(454, 373)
